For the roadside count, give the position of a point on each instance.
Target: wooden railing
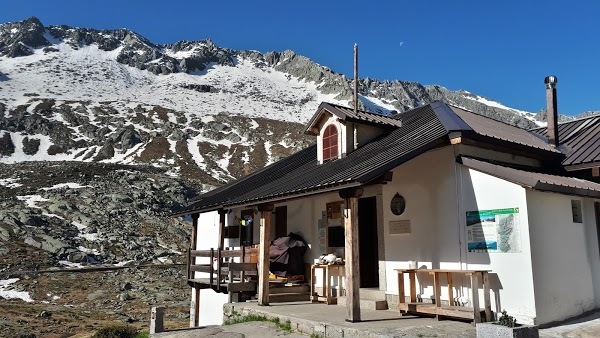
(225, 267)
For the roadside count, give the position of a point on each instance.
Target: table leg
(413, 286)
(328, 285)
(450, 289)
(437, 289)
(340, 270)
(401, 298)
(475, 297)
(312, 283)
(486, 297)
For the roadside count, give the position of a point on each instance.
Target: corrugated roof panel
(579, 140)
(501, 131)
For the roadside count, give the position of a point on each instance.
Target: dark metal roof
(579, 140)
(410, 134)
(538, 181)
(348, 114)
(301, 174)
(501, 131)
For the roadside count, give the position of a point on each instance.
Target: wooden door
(368, 243)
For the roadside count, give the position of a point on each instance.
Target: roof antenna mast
(355, 78)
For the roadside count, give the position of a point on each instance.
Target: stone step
(303, 288)
(372, 294)
(288, 297)
(367, 304)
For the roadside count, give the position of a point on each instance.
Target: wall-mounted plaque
(400, 227)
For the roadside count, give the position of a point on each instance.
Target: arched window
(330, 143)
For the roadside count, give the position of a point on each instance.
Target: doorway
(280, 222)
(368, 243)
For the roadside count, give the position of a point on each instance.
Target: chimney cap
(551, 81)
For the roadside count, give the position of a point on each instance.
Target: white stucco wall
(438, 193)
(427, 184)
(564, 256)
(592, 237)
(211, 302)
(511, 276)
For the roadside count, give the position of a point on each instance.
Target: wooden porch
(229, 270)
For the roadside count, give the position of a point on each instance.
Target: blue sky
(498, 49)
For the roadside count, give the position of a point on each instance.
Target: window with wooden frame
(330, 143)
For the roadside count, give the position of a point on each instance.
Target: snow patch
(10, 183)
(88, 250)
(88, 237)
(71, 264)
(70, 185)
(6, 291)
(31, 200)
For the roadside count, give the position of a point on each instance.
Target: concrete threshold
(319, 319)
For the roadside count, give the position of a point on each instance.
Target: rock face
(94, 213)
(20, 38)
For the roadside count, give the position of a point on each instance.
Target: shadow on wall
(473, 233)
(495, 287)
(3, 77)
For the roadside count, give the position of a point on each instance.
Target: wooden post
(197, 308)
(450, 289)
(352, 253)
(194, 230)
(219, 272)
(412, 276)
(222, 214)
(263, 259)
(437, 289)
(156, 319)
(486, 297)
(212, 271)
(401, 296)
(475, 298)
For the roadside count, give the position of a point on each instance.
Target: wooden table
(451, 310)
(327, 274)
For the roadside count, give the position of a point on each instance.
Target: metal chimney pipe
(552, 110)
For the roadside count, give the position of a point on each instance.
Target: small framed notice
(400, 227)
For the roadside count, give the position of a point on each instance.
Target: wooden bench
(474, 313)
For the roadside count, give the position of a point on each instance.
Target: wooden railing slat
(242, 267)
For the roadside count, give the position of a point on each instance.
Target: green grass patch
(116, 331)
(252, 317)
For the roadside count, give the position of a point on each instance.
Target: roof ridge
(487, 117)
(449, 118)
(567, 122)
(352, 108)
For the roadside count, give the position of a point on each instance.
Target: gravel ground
(248, 330)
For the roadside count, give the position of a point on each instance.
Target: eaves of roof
(535, 180)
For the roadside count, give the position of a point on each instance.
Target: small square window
(576, 210)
